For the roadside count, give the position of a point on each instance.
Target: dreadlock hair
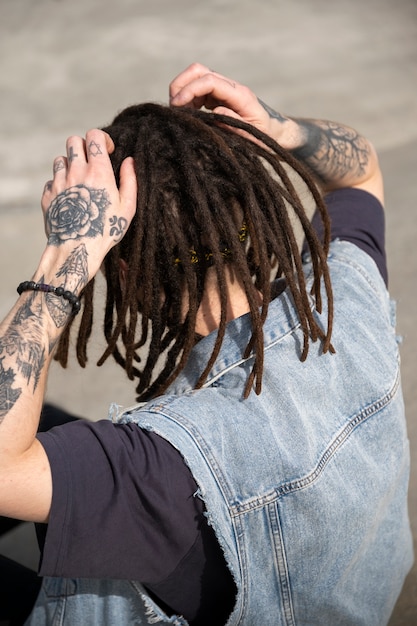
(198, 181)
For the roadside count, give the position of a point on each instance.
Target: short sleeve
(357, 216)
(123, 503)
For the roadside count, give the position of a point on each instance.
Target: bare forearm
(85, 215)
(336, 154)
(83, 221)
(27, 340)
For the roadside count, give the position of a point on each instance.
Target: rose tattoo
(76, 212)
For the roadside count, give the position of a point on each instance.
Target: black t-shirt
(124, 503)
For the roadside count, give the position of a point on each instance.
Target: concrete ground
(68, 66)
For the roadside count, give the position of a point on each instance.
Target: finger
(100, 169)
(213, 90)
(210, 90)
(48, 186)
(109, 143)
(46, 195)
(98, 145)
(128, 188)
(179, 88)
(76, 151)
(221, 110)
(120, 221)
(60, 167)
(191, 73)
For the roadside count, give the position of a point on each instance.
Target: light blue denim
(304, 485)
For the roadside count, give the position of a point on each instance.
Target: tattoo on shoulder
(76, 212)
(273, 114)
(333, 150)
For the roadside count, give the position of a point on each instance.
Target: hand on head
(82, 204)
(198, 86)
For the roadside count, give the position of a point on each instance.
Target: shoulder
(357, 216)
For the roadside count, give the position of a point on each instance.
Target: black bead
(30, 285)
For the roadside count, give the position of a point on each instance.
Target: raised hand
(337, 155)
(198, 86)
(85, 215)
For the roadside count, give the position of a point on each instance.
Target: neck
(209, 312)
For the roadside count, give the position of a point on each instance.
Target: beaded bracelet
(30, 285)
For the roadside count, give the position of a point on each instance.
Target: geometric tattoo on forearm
(74, 273)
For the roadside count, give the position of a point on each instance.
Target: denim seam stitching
(342, 437)
(231, 366)
(282, 565)
(239, 611)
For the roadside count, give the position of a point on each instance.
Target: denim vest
(305, 485)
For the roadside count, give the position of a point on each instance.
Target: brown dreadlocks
(199, 184)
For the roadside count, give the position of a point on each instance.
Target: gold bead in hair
(225, 251)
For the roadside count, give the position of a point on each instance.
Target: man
(265, 479)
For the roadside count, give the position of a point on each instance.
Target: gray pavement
(68, 66)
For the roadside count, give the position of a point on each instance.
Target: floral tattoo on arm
(76, 214)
